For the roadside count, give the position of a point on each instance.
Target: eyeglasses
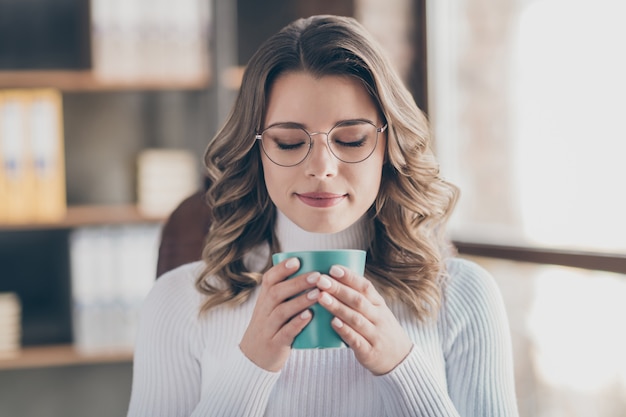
(350, 141)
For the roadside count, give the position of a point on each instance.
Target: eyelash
(355, 144)
(288, 147)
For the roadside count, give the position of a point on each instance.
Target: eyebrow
(296, 125)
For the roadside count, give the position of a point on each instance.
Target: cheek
(367, 179)
(375, 168)
(273, 179)
(375, 175)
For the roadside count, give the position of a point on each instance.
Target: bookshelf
(158, 92)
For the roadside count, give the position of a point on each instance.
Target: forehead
(318, 102)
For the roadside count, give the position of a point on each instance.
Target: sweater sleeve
(412, 389)
(168, 377)
(166, 363)
(477, 351)
(477, 345)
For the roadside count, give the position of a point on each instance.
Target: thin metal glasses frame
(259, 136)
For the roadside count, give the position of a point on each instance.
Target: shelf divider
(67, 80)
(60, 355)
(89, 215)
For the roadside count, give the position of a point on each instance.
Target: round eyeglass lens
(286, 146)
(353, 142)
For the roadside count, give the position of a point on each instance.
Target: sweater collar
(293, 238)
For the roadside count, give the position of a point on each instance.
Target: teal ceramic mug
(319, 334)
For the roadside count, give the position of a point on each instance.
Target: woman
(324, 149)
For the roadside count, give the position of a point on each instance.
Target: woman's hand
(280, 313)
(363, 320)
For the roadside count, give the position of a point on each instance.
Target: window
(527, 102)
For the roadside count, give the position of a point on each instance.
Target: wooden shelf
(87, 81)
(90, 216)
(61, 355)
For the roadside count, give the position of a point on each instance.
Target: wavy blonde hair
(406, 254)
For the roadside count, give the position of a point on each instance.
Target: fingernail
(313, 294)
(312, 279)
(338, 323)
(292, 263)
(336, 271)
(305, 314)
(324, 283)
(326, 299)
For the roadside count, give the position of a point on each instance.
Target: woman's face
(322, 194)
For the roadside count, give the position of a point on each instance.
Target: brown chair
(184, 233)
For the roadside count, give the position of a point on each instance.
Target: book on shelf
(112, 270)
(32, 170)
(16, 173)
(48, 161)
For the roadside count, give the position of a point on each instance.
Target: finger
(281, 271)
(285, 311)
(293, 327)
(358, 321)
(347, 295)
(271, 293)
(287, 289)
(357, 282)
(286, 314)
(277, 314)
(352, 338)
(280, 302)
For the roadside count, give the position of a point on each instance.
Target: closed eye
(289, 146)
(352, 143)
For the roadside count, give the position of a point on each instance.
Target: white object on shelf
(10, 324)
(165, 177)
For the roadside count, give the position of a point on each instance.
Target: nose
(321, 162)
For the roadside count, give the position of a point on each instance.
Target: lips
(321, 199)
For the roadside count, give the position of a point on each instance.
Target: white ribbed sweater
(188, 364)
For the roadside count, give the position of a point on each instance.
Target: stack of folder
(32, 163)
(112, 270)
